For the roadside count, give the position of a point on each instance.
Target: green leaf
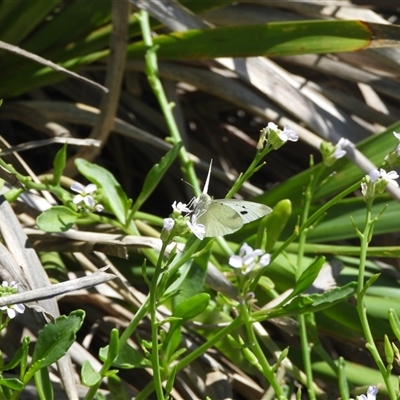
(271, 40)
(394, 322)
(17, 359)
(191, 307)
(127, 358)
(117, 388)
(155, 175)
(315, 302)
(56, 219)
(195, 276)
(43, 384)
(115, 198)
(276, 221)
(88, 375)
(12, 383)
(55, 339)
(19, 18)
(185, 310)
(59, 164)
(306, 279)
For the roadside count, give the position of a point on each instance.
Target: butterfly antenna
(205, 189)
(187, 183)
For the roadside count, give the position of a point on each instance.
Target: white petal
(11, 313)
(20, 308)
(374, 175)
(235, 261)
(77, 199)
(264, 260)
(290, 133)
(245, 249)
(77, 187)
(392, 175)
(199, 230)
(90, 188)
(168, 224)
(372, 392)
(338, 153)
(271, 126)
(396, 135)
(89, 201)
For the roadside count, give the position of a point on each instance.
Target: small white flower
(339, 151)
(84, 193)
(272, 127)
(288, 134)
(396, 135)
(11, 285)
(389, 177)
(99, 207)
(248, 259)
(168, 224)
(180, 207)
(199, 230)
(374, 175)
(371, 394)
(11, 309)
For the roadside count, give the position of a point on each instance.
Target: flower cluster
(330, 153)
(376, 181)
(178, 224)
(249, 259)
(12, 309)
(85, 196)
(276, 137)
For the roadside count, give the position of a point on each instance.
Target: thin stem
(305, 345)
(209, 343)
(166, 107)
(155, 356)
(361, 309)
(253, 167)
(267, 370)
(321, 211)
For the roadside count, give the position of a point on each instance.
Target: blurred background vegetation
(337, 78)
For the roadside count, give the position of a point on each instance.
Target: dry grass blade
(48, 63)
(115, 70)
(58, 289)
(46, 142)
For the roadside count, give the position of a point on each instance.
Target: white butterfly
(224, 216)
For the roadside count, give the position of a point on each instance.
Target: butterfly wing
(247, 210)
(220, 219)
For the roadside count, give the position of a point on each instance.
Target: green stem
(321, 211)
(140, 314)
(305, 345)
(267, 370)
(253, 167)
(236, 323)
(166, 107)
(361, 309)
(155, 356)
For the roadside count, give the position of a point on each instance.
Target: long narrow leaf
(271, 40)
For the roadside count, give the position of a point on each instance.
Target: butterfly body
(224, 216)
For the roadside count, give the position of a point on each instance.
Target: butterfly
(224, 216)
